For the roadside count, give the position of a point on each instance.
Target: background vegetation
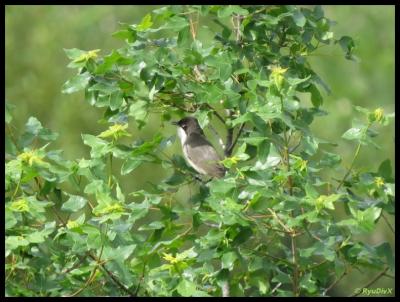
(35, 72)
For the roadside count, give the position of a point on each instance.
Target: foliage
(268, 228)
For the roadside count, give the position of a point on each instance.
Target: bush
(270, 227)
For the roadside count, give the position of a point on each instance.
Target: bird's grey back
(205, 156)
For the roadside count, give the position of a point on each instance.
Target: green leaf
(76, 83)
(355, 133)
(115, 131)
(281, 277)
(74, 203)
(307, 283)
(222, 64)
(385, 170)
(385, 250)
(9, 108)
(253, 140)
(299, 18)
(346, 43)
(186, 288)
(324, 201)
(228, 260)
(232, 9)
(33, 128)
(155, 225)
(184, 37)
(105, 87)
(108, 62)
(130, 165)
(309, 144)
(366, 219)
(13, 242)
(74, 53)
(138, 110)
(316, 97)
(176, 23)
(99, 147)
(329, 160)
(145, 23)
(222, 186)
(128, 34)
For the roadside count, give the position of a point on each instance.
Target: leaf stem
(17, 188)
(295, 267)
(354, 159)
(110, 170)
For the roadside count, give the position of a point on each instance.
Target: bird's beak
(174, 123)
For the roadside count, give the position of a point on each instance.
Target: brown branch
(334, 283)
(229, 149)
(90, 280)
(280, 222)
(216, 113)
(74, 266)
(140, 280)
(116, 281)
(229, 137)
(295, 268)
(376, 278)
(388, 224)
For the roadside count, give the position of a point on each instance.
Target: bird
(197, 150)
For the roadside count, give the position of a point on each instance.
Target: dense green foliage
(269, 227)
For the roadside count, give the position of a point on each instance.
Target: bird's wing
(201, 152)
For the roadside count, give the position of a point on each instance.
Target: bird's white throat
(182, 135)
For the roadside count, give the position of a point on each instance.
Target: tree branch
(216, 113)
(376, 278)
(229, 149)
(388, 223)
(334, 283)
(226, 289)
(229, 137)
(116, 281)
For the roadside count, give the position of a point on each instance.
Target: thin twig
(116, 281)
(387, 222)
(221, 143)
(87, 283)
(276, 287)
(280, 222)
(230, 149)
(74, 266)
(334, 283)
(229, 137)
(382, 273)
(353, 160)
(140, 279)
(216, 113)
(295, 268)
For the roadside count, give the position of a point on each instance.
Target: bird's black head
(189, 124)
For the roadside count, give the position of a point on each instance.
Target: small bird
(198, 151)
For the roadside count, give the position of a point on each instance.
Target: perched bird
(198, 151)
